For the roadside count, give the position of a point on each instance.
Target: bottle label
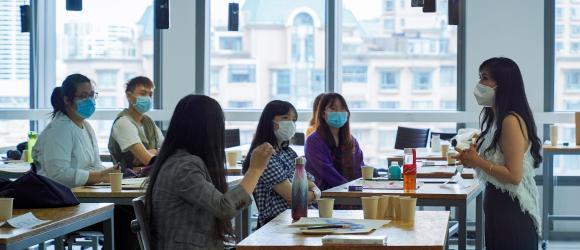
(409, 169)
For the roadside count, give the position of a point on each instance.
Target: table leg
(246, 227)
(547, 190)
(109, 232)
(59, 243)
(479, 222)
(461, 215)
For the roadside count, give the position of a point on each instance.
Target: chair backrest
(443, 136)
(232, 138)
(143, 224)
(411, 138)
(298, 139)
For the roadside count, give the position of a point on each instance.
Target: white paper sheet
(27, 220)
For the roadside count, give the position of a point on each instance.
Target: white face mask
(285, 131)
(484, 95)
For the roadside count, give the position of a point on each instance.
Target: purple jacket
(319, 162)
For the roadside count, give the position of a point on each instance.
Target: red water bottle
(410, 170)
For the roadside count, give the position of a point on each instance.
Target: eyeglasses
(83, 96)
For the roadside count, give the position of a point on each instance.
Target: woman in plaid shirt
(273, 194)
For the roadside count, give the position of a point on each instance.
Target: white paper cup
(6, 208)
(383, 207)
(451, 158)
(444, 149)
(232, 158)
(367, 172)
(370, 206)
(408, 207)
(395, 210)
(325, 207)
(116, 180)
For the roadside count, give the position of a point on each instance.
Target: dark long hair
(315, 104)
(68, 90)
(510, 98)
(265, 129)
(197, 126)
(345, 140)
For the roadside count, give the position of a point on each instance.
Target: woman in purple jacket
(333, 155)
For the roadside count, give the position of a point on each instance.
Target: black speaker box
(429, 6)
(25, 18)
(74, 5)
(233, 16)
(161, 14)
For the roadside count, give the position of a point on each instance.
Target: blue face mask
(336, 119)
(142, 104)
(86, 107)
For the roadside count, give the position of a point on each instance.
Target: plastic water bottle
(410, 170)
(31, 141)
(394, 171)
(299, 190)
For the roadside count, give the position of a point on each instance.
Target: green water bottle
(394, 171)
(31, 141)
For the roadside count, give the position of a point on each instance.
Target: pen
(327, 227)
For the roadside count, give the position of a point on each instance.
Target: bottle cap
(300, 161)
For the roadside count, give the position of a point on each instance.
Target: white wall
(178, 53)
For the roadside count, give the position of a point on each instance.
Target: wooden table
(96, 194)
(13, 170)
(63, 221)
(429, 194)
(397, 155)
(428, 232)
(548, 187)
(443, 171)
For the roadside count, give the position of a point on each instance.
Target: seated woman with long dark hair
(273, 194)
(333, 155)
(188, 203)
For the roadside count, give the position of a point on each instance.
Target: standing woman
(314, 119)
(273, 193)
(67, 150)
(505, 156)
(187, 200)
(333, 155)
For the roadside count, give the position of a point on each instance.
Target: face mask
(85, 107)
(336, 119)
(285, 131)
(142, 104)
(484, 95)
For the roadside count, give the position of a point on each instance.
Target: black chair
(298, 139)
(140, 226)
(232, 138)
(411, 138)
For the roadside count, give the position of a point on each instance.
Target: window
(421, 105)
(242, 73)
(575, 29)
(389, 105)
(575, 13)
(355, 74)
(448, 76)
(277, 35)
(559, 13)
(214, 80)
(559, 47)
(421, 80)
(358, 104)
(389, 25)
(107, 78)
(387, 138)
(240, 104)
(283, 86)
(14, 58)
(575, 48)
(573, 80)
(389, 5)
(572, 106)
(407, 59)
(448, 105)
(231, 43)
(559, 29)
(109, 41)
(389, 80)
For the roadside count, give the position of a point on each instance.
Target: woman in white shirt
(67, 150)
(505, 156)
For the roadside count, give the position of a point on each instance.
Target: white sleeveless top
(526, 191)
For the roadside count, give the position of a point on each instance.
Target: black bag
(35, 191)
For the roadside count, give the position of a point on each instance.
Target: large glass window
(280, 47)
(110, 42)
(381, 35)
(14, 71)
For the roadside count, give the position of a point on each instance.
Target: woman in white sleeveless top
(505, 156)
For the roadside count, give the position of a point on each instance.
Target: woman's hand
(469, 157)
(104, 174)
(261, 156)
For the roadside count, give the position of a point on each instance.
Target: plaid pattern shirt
(280, 168)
